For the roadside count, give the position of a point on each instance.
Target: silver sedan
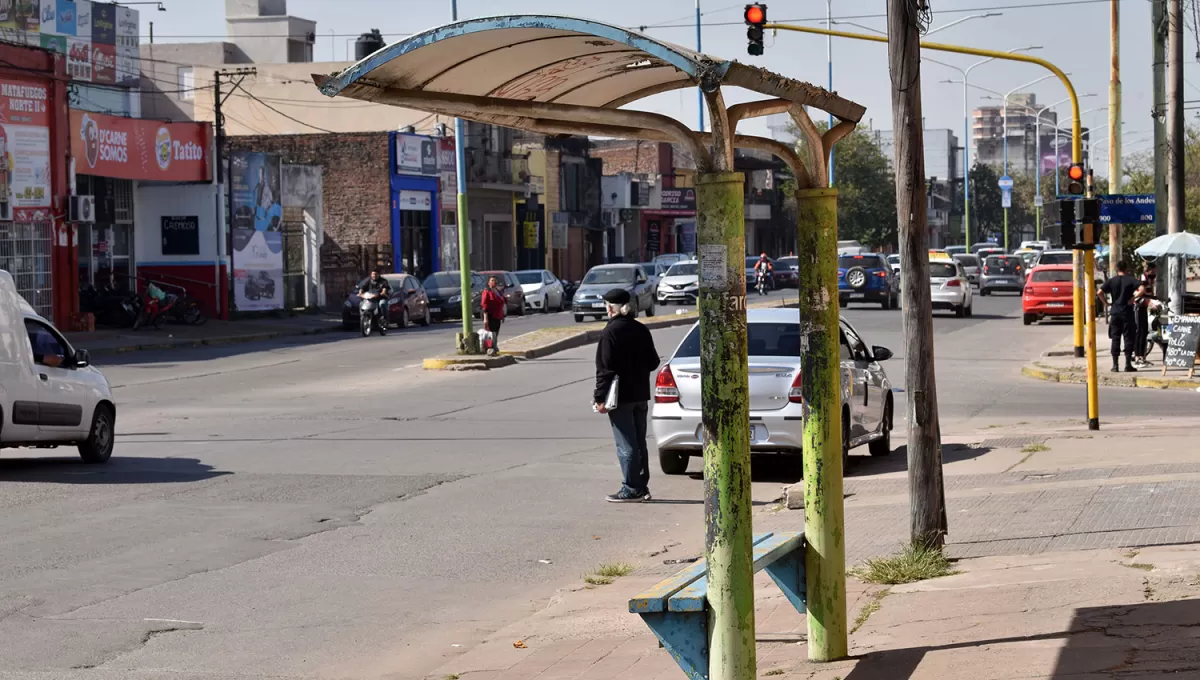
(776, 404)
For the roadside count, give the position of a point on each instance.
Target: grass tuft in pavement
(595, 580)
(1141, 565)
(913, 563)
(451, 676)
(1034, 448)
(615, 569)
(777, 671)
(872, 605)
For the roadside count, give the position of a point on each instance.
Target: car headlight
(453, 299)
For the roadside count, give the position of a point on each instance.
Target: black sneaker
(1116, 369)
(1130, 369)
(627, 496)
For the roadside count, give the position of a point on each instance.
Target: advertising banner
(104, 63)
(65, 21)
(25, 144)
(54, 43)
(127, 65)
(49, 17)
(20, 15)
(257, 231)
(448, 177)
(127, 27)
(83, 20)
(79, 59)
(133, 148)
(104, 24)
(416, 155)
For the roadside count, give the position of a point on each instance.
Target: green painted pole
(821, 387)
(467, 341)
(1006, 230)
(724, 382)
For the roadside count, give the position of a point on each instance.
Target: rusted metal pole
(821, 376)
(1115, 253)
(725, 406)
(927, 495)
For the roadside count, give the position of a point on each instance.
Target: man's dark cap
(617, 296)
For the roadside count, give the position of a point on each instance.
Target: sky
(1073, 34)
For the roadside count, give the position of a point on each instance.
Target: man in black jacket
(1121, 288)
(626, 354)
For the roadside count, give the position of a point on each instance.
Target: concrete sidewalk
(1059, 364)
(214, 332)
(1068, 548)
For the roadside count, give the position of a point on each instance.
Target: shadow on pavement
(862, 465)
(116, 471)
(1150, 640)
(764, 467)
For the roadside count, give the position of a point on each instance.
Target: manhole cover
(1010, 442)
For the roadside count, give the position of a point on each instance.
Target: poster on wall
(79, 59)
(65, 17)
(257, 232)
(104, 24)
(447, 177)
(25, 144)
(83, 20)
(416, 155)
(104, 63)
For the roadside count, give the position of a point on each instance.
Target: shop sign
(653, 236)
(181, 235)
(448, 178)
(132, 148)
(25, 143)
(415, 200)
(678, 201)
(416, 155)
(531, 235)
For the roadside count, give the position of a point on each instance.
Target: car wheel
(845, 440)
(983, 291)
(1028, 319)
(426, 320)
(960, 311)
(578, 318)
(633, 312)
(403, 318)
(521, 309)
(887, 302)
(650, 312)
(883, 445)
(98, 447)
(971, 309)
(546, 305)
(673, 462)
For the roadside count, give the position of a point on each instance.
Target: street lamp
(967, 132)
(1005, 132)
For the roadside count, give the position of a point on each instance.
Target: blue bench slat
(693, 597)
(656, 598)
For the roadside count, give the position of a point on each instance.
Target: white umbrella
(1181, 244)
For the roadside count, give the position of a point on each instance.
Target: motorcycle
(370, 315)
(761, 284)
(155, 307)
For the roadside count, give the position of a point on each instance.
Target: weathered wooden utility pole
(1175, 133)
(927, 497)
(1116, 252)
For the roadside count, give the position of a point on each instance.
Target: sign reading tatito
(131, 148)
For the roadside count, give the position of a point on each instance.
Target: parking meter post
(821, 375)
(725, 409)
(1078, 311)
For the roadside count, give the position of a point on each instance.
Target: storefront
(156, 213)
(671, 228)
(416, 217)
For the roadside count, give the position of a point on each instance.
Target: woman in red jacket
(494, 307)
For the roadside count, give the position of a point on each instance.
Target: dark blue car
(867, 278)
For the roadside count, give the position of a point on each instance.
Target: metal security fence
(25, 252)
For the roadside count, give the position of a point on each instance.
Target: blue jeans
(629, 429)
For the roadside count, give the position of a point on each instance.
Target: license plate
(758, 433)
(856, 296)
(435, 310)
(1056, 304)
(597, 305)
(1003, 281)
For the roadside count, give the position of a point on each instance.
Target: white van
(49, 394)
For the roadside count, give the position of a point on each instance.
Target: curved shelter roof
(550, 60)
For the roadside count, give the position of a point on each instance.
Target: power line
(291, 118)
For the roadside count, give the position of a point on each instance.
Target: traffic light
(1075, 175)
(1087, 211)
(1062, 234)
(755, 16)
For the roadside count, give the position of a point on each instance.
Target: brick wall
(628, 156)
(356, 210)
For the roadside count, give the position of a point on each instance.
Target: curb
(203, 342)
(1048, 374)
(467, 363)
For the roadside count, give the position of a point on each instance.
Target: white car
(894, 263)
(681, 284)
(776, 404)
(949, 287)
(543, 291)
(970, 265)
(49, 393)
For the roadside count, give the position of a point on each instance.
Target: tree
(866, 190)
(987, 215)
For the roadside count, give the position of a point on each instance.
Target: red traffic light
(1075, 172)
(756, 14)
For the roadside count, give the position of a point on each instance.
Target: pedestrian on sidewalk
(494, 309)
(626, 353)
(1121, 289)
(1141, 301)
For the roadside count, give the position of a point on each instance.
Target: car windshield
(1055, 258)
(894, 259)
(765, 340)
(529, 277)
(1004, 262)
(443, 280)
(1052, 276)
(848, 261)
(683, 269)
(649, 267)
(787, 262)
(942, 270)
(612, 275)
(967, 260)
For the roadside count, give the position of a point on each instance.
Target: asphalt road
(324, 508)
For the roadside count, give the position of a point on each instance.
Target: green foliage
(987, 215)
(866, 190)
(913, 563)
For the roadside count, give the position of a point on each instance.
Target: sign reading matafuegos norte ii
(1127, 209)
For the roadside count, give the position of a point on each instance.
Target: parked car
(752, 278)
(1002, 272)
(654, 272)
(867, 278)
(1048, 293)
(787, 272)
(589, 298)
(776, 405)
(510, 288)
(970, 264)
(408, 302)
(52, 394)
(950, 288)
(445, 295)
(671, 258)
(894, 262)
(956, 250)
(543, 291)
(681, 285)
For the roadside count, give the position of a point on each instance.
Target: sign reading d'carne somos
(131, 148)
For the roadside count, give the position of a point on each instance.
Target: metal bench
(676, 609)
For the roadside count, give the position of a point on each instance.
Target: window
(1052, 276)
(843, 348)
(858, 349)
(48, 349)
(942, 270)
(764, 340)
(186, 79)
(547, 278)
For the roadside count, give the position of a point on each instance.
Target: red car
(1048, 292)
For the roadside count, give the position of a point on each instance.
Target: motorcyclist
(380, 286)
(764, 268)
